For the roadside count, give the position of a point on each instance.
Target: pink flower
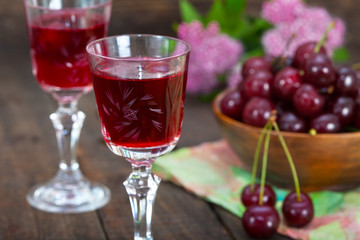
(336, 37)
(212, 54)
(310, 25)
(234, 78)
(282, 11)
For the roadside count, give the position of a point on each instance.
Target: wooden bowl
(323, 161)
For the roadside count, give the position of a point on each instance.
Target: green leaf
(181, 165)
(351, 199)
(326, 202)
(175, 26)
(188, 12)
(238, 29)
(235, 7)
(208, 97)
(241, 174)
(168, 48)
(251, 32)
(216, 13)
(340, 55)
(261, 24)
(255, 52)
(357, 217)
(234, 28)
(331, 231)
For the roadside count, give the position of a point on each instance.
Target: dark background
(157, 16)
(28, 150)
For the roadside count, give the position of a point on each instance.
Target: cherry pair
(261, 219)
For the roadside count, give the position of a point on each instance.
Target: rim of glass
(186, 51)
(28, 4)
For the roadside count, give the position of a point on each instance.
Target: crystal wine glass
(59, 31)
(139, 84)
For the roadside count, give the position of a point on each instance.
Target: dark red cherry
(344, 108)
(357, 72)
(249, 198)
(356, 120)
(257, 85)
(270, 59)
(298, 213)
(357, 96)
(319, 70)
(292, 122)
(254, 64)
(326, 123)
(232, 104)
(282, 106)
(257, 111)
(303, 53)
(260, 221)
(308, 101)
(286, 82)
(346, 82)
(280, 63)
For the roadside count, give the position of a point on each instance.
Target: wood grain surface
(28, 150)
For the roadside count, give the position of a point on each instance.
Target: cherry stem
(280, 59)
(288, 42)
(291, 162)
(324, 37)
(256, 156)
(264, 163)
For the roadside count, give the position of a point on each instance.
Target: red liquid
(140, 113)
(58, 51)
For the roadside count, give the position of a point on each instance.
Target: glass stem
(141, 187)
(68, 121)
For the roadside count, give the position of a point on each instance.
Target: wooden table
(29, 155)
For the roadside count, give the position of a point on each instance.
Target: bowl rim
(233, 122)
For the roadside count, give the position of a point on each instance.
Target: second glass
(59, 31)
(139, 83)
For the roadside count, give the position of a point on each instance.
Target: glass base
(57, 197)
